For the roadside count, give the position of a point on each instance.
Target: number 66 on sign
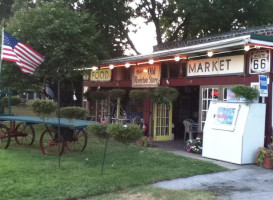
(259, 62)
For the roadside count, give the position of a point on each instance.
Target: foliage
(262, 153)
(15, 100)
(95, 95)
(42, 107)
(247, 92)
(73, 112)
(138, 96)
(164, 95)
(99, 130)
(146, 141)
(124, 133)
(194, 145)
(116, 93)
(66, 38)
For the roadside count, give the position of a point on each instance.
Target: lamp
(94, 68)
(210, 53)
(176, 58)
(247, 47)
(151, 61)
(111, 66)
(127, 65)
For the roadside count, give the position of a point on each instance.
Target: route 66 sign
(259, 62)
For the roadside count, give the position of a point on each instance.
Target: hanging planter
(249, 93)
(116, 93)
(138, 96)
(95, 95)
(164, 95)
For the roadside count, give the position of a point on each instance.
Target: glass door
(162, 122)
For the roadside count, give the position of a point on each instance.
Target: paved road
(247, 183)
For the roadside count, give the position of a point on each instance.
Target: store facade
(202, 70)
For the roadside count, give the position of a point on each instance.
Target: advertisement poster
(146, 76)
(226, 116)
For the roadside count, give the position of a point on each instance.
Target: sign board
(146, 76)
(259, 62)
(86, 76)
(101, 75)
(263, 86)
(226, 116)
(216, 66)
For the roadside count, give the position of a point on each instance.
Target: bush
(99, 130)
(194, 145)
(164, 95)
(116, 93)
(14, 101)
(73, 112)
(42, 107)
(146, 141)
(124, 133)
(247, 92)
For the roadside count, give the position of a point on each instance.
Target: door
(162, 122)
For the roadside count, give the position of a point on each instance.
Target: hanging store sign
(146, 76)
(86, 76)
(259, 62)
(101, 75)
(216, 66)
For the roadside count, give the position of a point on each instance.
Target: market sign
(146, 76)
(259, 62)
(216, 66)
(101, 75)
(86, 76)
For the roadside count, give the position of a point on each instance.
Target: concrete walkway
(242, 182)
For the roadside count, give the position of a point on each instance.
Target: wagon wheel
(49, 143)
(24, 134)
(4, 137)
(79, 141)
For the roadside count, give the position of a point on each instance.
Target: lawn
(25, 173)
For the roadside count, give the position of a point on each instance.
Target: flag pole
(1, 55)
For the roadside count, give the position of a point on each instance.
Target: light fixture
(210, 53)
(167, 81)
(151, 61)
(94, 68)
(111, 66)
(145, 70)
(247, 47)
(127, 65)
(176, 58)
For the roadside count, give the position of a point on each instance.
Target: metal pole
(59, 124)
(1, 66)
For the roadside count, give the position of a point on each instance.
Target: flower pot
(267, 163)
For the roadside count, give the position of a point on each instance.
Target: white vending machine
(234, 131)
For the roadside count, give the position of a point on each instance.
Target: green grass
(25, 173)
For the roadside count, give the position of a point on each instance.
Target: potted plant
(146, 141)
(264, 157)
(194, 145)
(164, 95)
(249, 93)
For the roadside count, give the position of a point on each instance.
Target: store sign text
(101, 75)
(146, 76)
(216, 66)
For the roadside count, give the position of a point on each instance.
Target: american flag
(15, 51)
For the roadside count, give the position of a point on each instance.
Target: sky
(144, 39)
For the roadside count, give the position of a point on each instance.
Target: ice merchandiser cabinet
(234, 131)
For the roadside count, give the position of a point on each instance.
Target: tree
(184, 19)
(5, 9)
(67, 39)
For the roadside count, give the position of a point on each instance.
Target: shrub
(42, 107)
(73, 112)
(116, 93)
(247, 92)
(124, 133)
(146, 141)
(14, 101)
(164, 95)
(99, 130)
(138, 96)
